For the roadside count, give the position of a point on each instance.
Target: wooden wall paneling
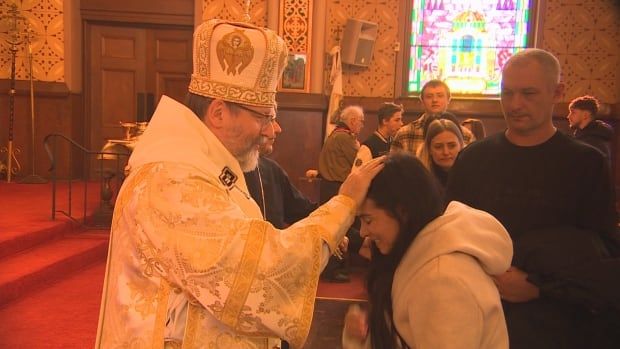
(55, 112)
(177, 7)
(177, 12)
(78, 132)
(298, 147)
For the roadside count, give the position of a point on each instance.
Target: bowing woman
(430, 278)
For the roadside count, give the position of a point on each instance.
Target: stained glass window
(465, 43)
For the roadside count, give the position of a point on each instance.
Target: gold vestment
(192, 262)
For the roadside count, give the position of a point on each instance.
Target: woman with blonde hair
(443, 140)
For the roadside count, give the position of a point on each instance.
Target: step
(31, 234)
(63, 315)
(39, 266)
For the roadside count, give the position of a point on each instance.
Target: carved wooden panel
(378, 79)
(585, 36)
(233, 10)
(45, 18)
(296, 30)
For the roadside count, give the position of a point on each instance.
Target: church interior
(80, 80)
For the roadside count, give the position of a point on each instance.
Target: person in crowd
(435, 97)
(553, 194)
(476, 126)
(586, 127)
(192, 264)
(390, 119)
(339, 150)
(442, 143)
(280, 202)
(335, 163)
(430, 280)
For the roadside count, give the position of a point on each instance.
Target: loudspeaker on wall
(358, 42)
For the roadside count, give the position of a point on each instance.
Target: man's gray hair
(549, 62)
(351, 113)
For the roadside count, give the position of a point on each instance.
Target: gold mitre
(237, 62)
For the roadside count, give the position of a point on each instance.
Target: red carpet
(27, 207)
(25, 212)
(63, 315)
(35, 250)
(352, 290)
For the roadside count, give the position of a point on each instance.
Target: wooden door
(169, 59)
(115, 74)
(129, 69)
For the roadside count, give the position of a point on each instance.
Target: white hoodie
(443, 295)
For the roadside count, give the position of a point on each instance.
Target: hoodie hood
(596, 129)
(465, 230)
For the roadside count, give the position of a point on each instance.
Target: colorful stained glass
(465, 43)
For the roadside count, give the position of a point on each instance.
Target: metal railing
(102, 216)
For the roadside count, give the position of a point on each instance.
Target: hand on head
(357, 183)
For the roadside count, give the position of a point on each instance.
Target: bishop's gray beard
(249, 160)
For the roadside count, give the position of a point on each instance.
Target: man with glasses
(192, 263)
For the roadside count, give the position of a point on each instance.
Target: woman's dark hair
(407, 192)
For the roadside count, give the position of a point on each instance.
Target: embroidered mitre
(247, 64)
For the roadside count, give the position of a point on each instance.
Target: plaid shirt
(411, 136)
